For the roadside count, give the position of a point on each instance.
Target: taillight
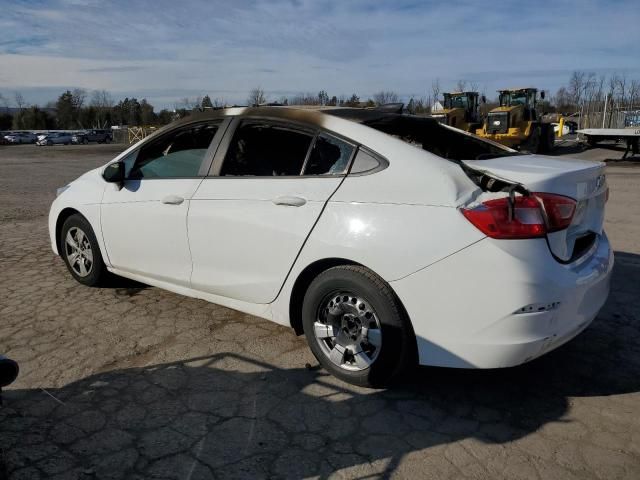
(559, 210)
(529, 217)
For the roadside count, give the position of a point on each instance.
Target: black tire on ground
(107, 140)
(547, 138)
(592, 140)
(532, 144)
(49, 143)
(98, 273)
(397, 351)
(85, 141)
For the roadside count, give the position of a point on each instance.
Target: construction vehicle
(461, 110)
(516, 123)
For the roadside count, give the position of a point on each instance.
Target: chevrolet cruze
(387, 240)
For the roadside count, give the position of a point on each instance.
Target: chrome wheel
(348, 331)
(78, 251)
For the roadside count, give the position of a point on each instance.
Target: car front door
(249, 219)
(144, 222)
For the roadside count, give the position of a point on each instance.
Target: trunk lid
(582, 180)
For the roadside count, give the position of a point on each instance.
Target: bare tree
(435, 90)
(20, 101)
(576, 87)
(474, 86)
(384, 97)
(219, 102)
(101, 99)
(187, 103)
(461, 85)
(634, 94)
(256, 97)
(307, 98)
(4, 102)
(103, 103)
(78, 95)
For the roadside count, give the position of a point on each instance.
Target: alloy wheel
(348, 331)
(78, 251)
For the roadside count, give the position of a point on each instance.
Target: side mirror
(542, 94)
(114, 173)
(483, 99)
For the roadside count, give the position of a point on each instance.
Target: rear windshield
(428, 134)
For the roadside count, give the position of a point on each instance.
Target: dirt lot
(134, 382)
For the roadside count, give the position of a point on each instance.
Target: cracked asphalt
(134, 382)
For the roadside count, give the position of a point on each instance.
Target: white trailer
(629, 135)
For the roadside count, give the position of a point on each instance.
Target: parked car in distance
(80, 137)
(96, 135)
(387, 239)
(55, 138)
(21, 137)
(3, 141)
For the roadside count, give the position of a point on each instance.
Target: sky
(166, 50)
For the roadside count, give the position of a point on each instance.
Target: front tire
(532, 144)
(80, 251)
(356, 327)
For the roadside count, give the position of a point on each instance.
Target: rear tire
(80, 251)
(356, 326)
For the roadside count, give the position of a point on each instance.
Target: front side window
(262, 149)
(177, 154)
(329, 156)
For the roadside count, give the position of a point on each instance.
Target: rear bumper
(502, 303)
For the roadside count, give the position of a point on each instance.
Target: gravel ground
(134, 382)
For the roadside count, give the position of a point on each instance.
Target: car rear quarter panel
(393, 240)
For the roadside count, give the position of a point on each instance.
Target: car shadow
(233, 416)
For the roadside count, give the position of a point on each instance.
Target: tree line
(584, 93)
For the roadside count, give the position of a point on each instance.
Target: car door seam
(295, 260)
(186, 221)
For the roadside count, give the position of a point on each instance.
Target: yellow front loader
(461, 110)
(516, 122)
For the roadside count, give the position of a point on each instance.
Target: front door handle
(172, 200)
(289, 201)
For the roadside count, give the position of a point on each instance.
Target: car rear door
(144, 223)
(249, 219)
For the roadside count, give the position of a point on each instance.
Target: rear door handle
(289, 201)
(172, 200)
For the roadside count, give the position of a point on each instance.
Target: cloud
(114, 69)
(343, 47)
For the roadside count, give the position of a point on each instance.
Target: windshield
(456, 101)
(513, 99)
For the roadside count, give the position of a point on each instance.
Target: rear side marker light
(533, 216)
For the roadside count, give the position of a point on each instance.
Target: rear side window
(364, 162)
(266, 150)
(329, 156)
(177, 154)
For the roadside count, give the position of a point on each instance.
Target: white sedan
(388, 240)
